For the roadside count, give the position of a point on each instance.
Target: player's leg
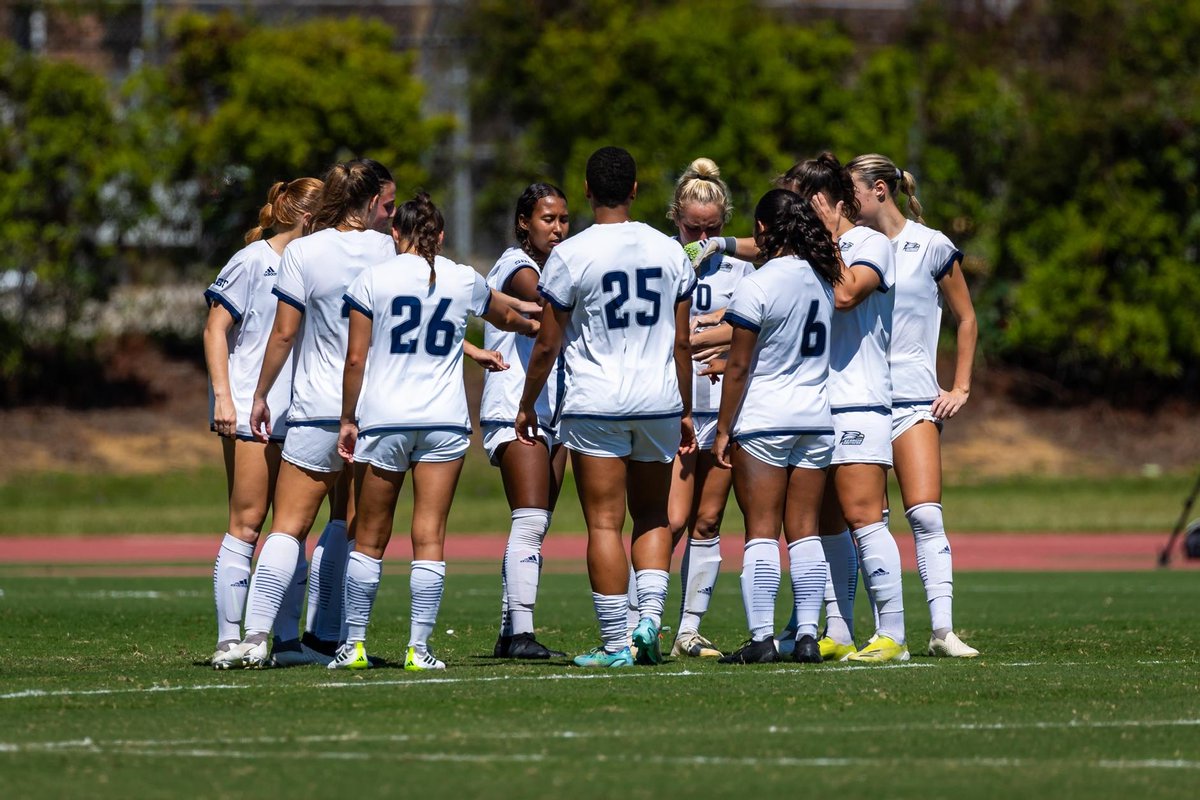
(760, 487)
(703, 555)
(801, 524)
(327, 578)
(917, 454)
(231, 570)
(648, 485)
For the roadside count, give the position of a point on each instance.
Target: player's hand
(224, 416)
(720, 450)
(347, 439)
(490, 360)
(527, 426)
(687, 435)
(831, 216)
(705, 248)
(535, 325)
(260, 420)
(710, 354)
(714, 369)
(707, 320)
(530, 308)
(720, 334)
(949, 403)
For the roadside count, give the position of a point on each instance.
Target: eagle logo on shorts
(852, 438)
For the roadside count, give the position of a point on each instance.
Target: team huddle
(670, 368)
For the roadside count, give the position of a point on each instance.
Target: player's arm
(733, 388)
(711, 343)
(958, 298)
(856, 285)
(216, 356)
(743, 248)
(523, 284)
(490, 360)
(541, 360)
(279, 345)
(683, 372)
(502, 312)
(357, 345)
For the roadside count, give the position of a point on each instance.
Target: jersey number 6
(617, 283)
(812, 340)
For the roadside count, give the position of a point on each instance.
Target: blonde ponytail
(874, 167)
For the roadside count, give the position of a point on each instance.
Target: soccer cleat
(250, 655)
(691, 643)
(351, 655)
(645, 637)
(951, 647)
(881, 650)
(295, 653)
(227, 658)
(324, 646)
(807, 651)
(599, 658)
(421, 660)
(834, 651)
(524, 646)
(502, 644)
(761, 652)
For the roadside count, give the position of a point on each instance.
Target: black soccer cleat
(502, 645)
(807, 651)
(524, 646)
(752, 652)
(309, 639)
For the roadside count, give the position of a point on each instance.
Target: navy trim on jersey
(705, 415)
(622, 417)
(736, 319)
(487, 303)
(560, 389)
(552, 300)
(314, 423)
(737, 437)
(912, 403)
(501, 423)
(520, 266)
(213, 296)
(353, 304)
(687, 295)
(287, 298)
(848, 409)
(957, 255)
(883, 287)
(382, 429)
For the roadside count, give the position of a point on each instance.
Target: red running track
(972, 551)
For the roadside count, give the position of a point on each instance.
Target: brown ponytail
(349, 188)
(287, 203)
(791, 227)
(419, 223)
(822, 174)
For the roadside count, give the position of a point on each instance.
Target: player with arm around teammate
(774, 427)
(314, 274)
(241, 313)
(928, 270)
(620, 295)
(404, 408)
(532, 476)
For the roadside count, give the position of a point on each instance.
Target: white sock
(287, 621)
(809, 573)
(271, 581)
(231, 583)
(842, 585)
(331, 583)
(652, 593)
(314, 582)
(698, 574)
(632, 614)
(610, 612)
(523, 565)
(426, 583)
(934, 563)
(760, 586)
(881, 568)
(505, 617)
(362, 584)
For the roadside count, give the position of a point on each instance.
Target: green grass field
(194, 502)
(1088, 687)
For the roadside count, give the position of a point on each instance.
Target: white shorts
(313, 447)
(639, 439)
(807, 450)
(496, 436)
(906, 415)
(706, 432)
(862, 437)
(397, 450)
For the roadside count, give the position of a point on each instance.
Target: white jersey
(243, 287)
(502, 390)
(859, 376)
(923, 257)
(716, 279)
(620, 282)
(413, 378)
(790, 308)
(313, 277)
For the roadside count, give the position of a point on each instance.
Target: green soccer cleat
(882, 650)
(645, 637)
(599, 658)
(352, 655)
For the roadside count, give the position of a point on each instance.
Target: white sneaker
(951, 647)
(254, 656)
(227, 659)
(691, 643)
(419, 660)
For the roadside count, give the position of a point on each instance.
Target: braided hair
(789, 226)
(419, 223)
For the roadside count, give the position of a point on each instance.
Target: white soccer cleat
(254, 656)
(420, 660)
(691, 643)
(227, 659)
(951, 647)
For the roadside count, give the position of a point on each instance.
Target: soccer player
(774, 426)
(700, 208)
(860, 397)
(242, 310)
(620, 295)
(532, 476)
(928, 269)
(404, 407)
(314, 274)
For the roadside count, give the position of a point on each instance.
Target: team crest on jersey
(221, 281)
(846, 246)
(270, 273)
(912, 247)
(852, 438)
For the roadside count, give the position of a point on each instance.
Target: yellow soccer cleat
(420, 660)
(351, 656)
(833, 651)
(882, 650)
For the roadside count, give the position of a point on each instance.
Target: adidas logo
(270, 273)
(706, 590)
(531, 560)
(945, 551)
(242, 582)
(878, 572)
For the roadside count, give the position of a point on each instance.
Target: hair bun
(703, 168)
